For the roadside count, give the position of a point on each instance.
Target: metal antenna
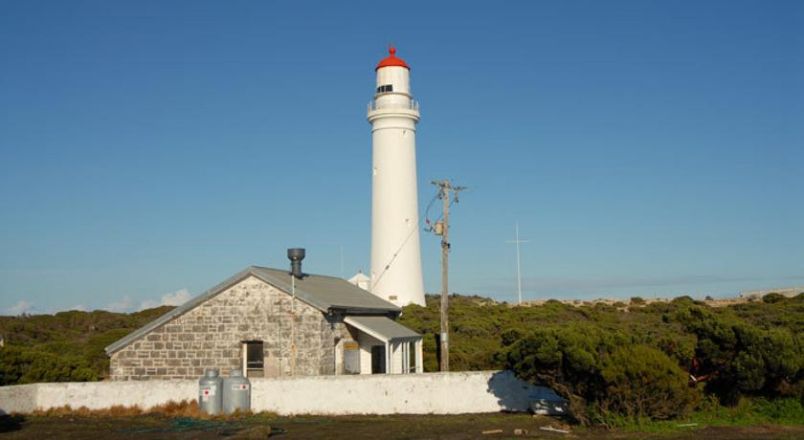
(441, 228)
(518, 265)
(340, 246)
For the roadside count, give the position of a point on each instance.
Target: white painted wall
(18, 398)
(435, 393)
(95, 395)
(431, 393)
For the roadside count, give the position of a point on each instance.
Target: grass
(748, 412)
(455, 427)
(172, 409)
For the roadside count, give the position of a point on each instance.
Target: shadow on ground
(9, 423)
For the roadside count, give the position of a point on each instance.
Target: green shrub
(744, 359)
(773, 298)
(21, 365)
(601, 374)
(642, 381)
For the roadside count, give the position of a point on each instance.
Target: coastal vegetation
(64, 347)
(618, 363)
(627, 362)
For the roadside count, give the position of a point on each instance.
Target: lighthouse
(396, 262)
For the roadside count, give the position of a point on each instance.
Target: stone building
(253, 321)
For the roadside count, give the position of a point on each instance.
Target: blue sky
(150, 149)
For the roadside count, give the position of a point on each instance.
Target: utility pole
(442, 228)
(518, 266)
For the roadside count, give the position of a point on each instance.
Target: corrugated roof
(325, 292)
(322, 292)
(381, 327)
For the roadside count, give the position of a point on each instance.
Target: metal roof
(392, 60)
(325, 293)
(382, 328)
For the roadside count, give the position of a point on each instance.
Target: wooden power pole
(447, 193)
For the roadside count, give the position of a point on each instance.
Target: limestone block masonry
(210, 336)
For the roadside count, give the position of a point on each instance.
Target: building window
(253, 359)
(351, 357)
(385, 89)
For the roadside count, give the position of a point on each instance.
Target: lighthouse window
(385, 89)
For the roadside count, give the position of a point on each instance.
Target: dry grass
(185, 408)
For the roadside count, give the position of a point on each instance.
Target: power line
(376, 282)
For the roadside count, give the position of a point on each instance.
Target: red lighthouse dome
(392, 60)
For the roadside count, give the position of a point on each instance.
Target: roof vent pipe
(296, 255)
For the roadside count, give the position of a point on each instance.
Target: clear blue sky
(645, 147)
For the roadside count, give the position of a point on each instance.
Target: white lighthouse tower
(396, 262)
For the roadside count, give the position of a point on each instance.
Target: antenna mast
(518, 266)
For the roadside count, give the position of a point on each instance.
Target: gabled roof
(325, 293)
(328, 293)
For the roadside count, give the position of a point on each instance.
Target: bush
(601, 374)
(644, 382)
(20, 365)
(744, 350)
(637, 300)
(773, 298)
(744, 359)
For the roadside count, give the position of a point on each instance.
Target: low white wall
(430, 393)
(94, 395)
(18, 398)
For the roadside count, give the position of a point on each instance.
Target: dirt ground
(485, 426)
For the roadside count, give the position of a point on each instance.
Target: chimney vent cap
(296, 255)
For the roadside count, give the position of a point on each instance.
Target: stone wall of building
(210, 336)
